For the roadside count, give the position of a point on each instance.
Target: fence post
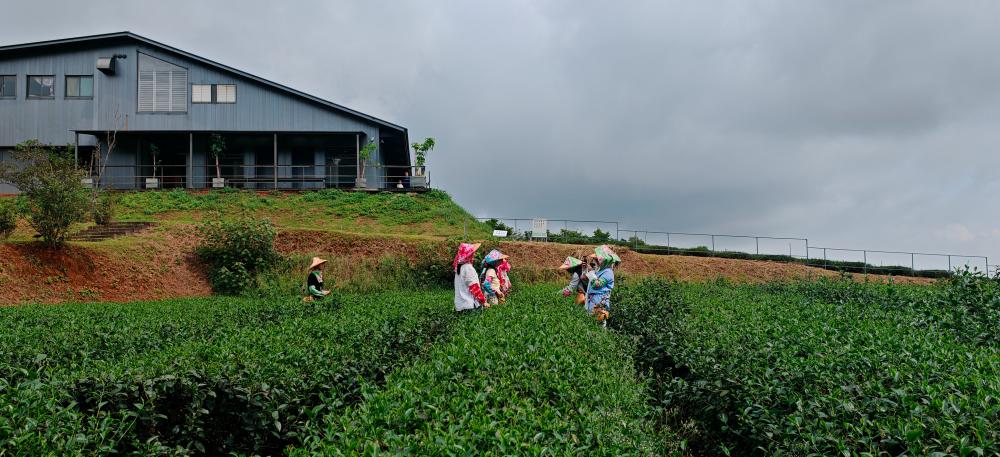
(668, 240)
(807, 250)
(825, 263)
(713, 245)
(949, 265)
(865, 254)
(756, 242)
(617, 235)
(913, 268)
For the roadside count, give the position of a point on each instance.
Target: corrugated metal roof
(195, 57)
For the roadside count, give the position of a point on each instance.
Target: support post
(713, 244)
(76, 148)
(825, 263)
(807, 250)
(949, 265)
(865, 253)
(357, 155)
(275, 160)
(190, 180)
(756, 242)
(913, 268)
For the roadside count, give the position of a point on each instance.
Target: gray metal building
(162, 107)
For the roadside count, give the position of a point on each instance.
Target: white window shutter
(162, 86)
(147, 91)
(178, 91)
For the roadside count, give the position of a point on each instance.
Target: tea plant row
(199, 376)
(828, 368)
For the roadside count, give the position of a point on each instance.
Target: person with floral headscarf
(492, 286)
(602, 281)
(468, 292)
(577, 280)
(504, 271)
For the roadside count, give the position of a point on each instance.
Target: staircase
(112, 230)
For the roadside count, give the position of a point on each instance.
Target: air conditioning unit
(106, 65)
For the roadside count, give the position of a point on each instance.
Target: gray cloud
(855, 123)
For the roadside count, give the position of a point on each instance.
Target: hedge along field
(823, 368)
(242, 385)
(534, 376)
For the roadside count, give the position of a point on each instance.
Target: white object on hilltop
(539, 228)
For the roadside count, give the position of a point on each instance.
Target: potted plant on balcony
(217, 147)
(364, 155)
(154, 151)
(420, 151)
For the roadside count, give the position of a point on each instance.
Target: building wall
(257, 108)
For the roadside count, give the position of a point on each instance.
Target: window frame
(211, 94)
(5, 78)
(215, 94)
(27, 88)
(66, 94)
(138, 85)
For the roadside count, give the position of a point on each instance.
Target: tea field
(818, 368)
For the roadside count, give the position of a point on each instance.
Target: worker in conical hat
(602, 281)
(491, 278)
(468, 292)
(314, 280)
(504, 271)
(577, 287)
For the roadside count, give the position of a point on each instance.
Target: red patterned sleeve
(477, 292)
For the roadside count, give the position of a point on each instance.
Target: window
(80, 86)
(201, 93)
(162, 86)
(225, 93)
(8, 86)
(41, 86)
(209, 93)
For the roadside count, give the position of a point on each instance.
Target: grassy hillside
(431, 214)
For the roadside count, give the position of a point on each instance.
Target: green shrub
(9, 213)
(532, 377)
(236, 249)
(49, 182)
(823, 368)
(104, 206)
(204, 377)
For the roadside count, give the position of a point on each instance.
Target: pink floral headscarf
(465, 253)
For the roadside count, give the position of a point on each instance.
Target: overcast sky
(863, 124)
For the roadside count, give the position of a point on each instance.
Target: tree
(154, 151)
(364, 154)
(50, 184)
(420, 150)
(217, 147)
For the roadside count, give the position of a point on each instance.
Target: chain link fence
(750, 247)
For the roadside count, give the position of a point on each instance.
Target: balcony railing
(391, 178)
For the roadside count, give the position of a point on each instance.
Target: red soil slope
(161, 263)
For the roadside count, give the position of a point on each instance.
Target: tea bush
(243, 383)
(236, 249)
(794, 370)
(535, 376)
